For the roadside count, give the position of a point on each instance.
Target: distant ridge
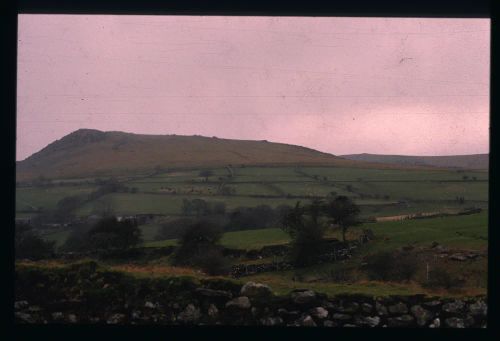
(473, 161)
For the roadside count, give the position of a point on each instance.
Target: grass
(466, 232)
(46, 197)
(247, 240)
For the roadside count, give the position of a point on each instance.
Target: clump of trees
(199, 247)
(29, 245)
(106, 234)
(307, 224)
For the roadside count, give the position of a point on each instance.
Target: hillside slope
(88, 152)
(474, 161)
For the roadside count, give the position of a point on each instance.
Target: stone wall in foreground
(100, 297)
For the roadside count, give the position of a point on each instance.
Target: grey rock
(349, 325)
(432, 304)
(116, 319)
(212, 311)
(349, 307)
(436, 323)
(150, 305)
(57, 316)
(400, 321)
(271, 321)
(328, 323)
(190, 314)
(25, 318)
(421, 315)
(34, 309)
(342, 317)
(303, 297)
(213, 293)
(252, 289)
(366, 308)
(469, 321)
(319, 313)
(453, 307)
(398, 308)
(136, 315)
(381, 309)
(307, 321)
(72, 318)
(478, 308)
(20, 305)
(370, 321)
(458, 257)
(455, 322)
(241, 302)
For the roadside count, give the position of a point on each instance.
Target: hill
(474, 161)
(88, 153)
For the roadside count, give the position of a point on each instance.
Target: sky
(413, 86)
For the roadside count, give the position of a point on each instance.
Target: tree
(303, 226)
(28, 245)
(343, 212)
(200, 238)
(206, 173)
(109, 233)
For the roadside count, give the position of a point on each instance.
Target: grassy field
(247, 240)
(373, 189)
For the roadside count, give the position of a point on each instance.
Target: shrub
(442, 278)
(28, 245)
(392, 266)
(109, 233)
(200, 238)
(212, 262)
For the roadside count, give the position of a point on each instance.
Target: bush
(198, 239)
(28, 245)
(212, 262)
(109, 233)
(392, 266)
(442, 278)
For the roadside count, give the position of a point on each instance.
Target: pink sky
(339, 85)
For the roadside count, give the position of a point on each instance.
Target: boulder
(421, 315)
(436, 323)
(212, 311)
(458, 257)
(303, 297)
(478, 308)
(349, 307)
(241, 302)
(319, 313)
(252, 289)
(398, 308)
(150, 305)
(205, 292)
(432, 304)
(366, 308)
(116, 319)
(328, 323)
(342, 317)
(455, 322)
(20, 305)
(369, 321)
(381, 309)
(454, 307)
(190, 314)
(24, 318)
(57, 316)
(400, 321)
(271, 321)
(72, 318)
(306, 321)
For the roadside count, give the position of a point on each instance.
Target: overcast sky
(339, 85)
